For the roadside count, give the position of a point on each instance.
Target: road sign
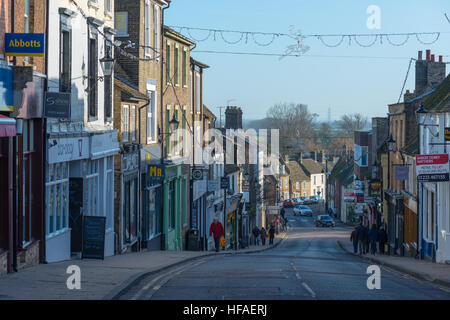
(432, 167)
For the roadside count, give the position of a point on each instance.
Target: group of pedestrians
(365, 240)
(261, 234)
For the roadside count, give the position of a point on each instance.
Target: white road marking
(312, 293)
(175, 272)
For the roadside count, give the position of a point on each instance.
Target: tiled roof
(312, 167)
(439, 101)
(296, 172)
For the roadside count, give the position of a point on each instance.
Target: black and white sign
(57, 105)
(197, 174)
(224, 183)
(93, 237)
(67, 149)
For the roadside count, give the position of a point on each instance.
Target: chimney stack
(440, 59)
(420, 55)
(428, 55)
(432, 58)
(408, 92)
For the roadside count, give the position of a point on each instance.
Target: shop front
(126, 201)
(80, 182)
(175, 205)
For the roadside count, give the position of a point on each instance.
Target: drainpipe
(44, 141)
(163, 240)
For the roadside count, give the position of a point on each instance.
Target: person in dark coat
(361, 238)
(263, 236)
(366, 239)
(271, 234)
(354, 239)
(382, 238)
(216, 230)
(255, 232)
(373, 237)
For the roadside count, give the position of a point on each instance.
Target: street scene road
(307, 265)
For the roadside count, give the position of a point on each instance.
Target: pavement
(422, 269)
(102, 279)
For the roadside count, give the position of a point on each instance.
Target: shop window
(57, 201)
(92, 180)
(171, 204)
(129, 218)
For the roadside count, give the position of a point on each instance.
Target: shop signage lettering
(67, 149)
(57, 105)
(155, 173)
(447, 134)
(24, 44)
(432, 167)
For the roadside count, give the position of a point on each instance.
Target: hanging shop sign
(401, 173)
(104, 145)
(197, 174)
(24, 44)
(57, 105)
(432, 167)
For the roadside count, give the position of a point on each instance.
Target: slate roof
(439, 101)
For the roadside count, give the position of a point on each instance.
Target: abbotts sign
(24, 44)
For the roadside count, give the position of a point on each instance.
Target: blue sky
(346, 85)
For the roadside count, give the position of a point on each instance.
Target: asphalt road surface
(307, 265)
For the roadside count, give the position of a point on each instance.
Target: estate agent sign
(432, 167)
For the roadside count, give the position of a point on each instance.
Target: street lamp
(391, 143)
(107, 63)
(173, 124)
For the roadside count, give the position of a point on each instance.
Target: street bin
(193, 240)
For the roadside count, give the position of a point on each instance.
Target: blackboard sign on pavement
(93, 237)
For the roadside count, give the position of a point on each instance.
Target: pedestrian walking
(361, 237)
(373, 237)
(282, 212)
(255, 232)
(354, 239)
(366, 239)
(271, 234)
(216, 230)
(263, 236)
(382, 238)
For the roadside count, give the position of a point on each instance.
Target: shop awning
(7, 126)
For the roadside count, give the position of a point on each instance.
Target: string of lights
(247, 36)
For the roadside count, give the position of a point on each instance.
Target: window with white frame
(57, 197)
(156, 28)
(133, 123)
(147, 28)
(314, 180)
(151, 117)
(297, 185)
(26, 17)
(108, 6)
(304, 184)
(126, 122)
(192, 92)
(92, 182)
(184, 66)
(176, 61)
(109, 193)
(197, 92)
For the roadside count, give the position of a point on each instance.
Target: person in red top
(217, 231)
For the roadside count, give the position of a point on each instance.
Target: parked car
(303, 210)
(310, 200)
(288, 204)
(325, 221)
